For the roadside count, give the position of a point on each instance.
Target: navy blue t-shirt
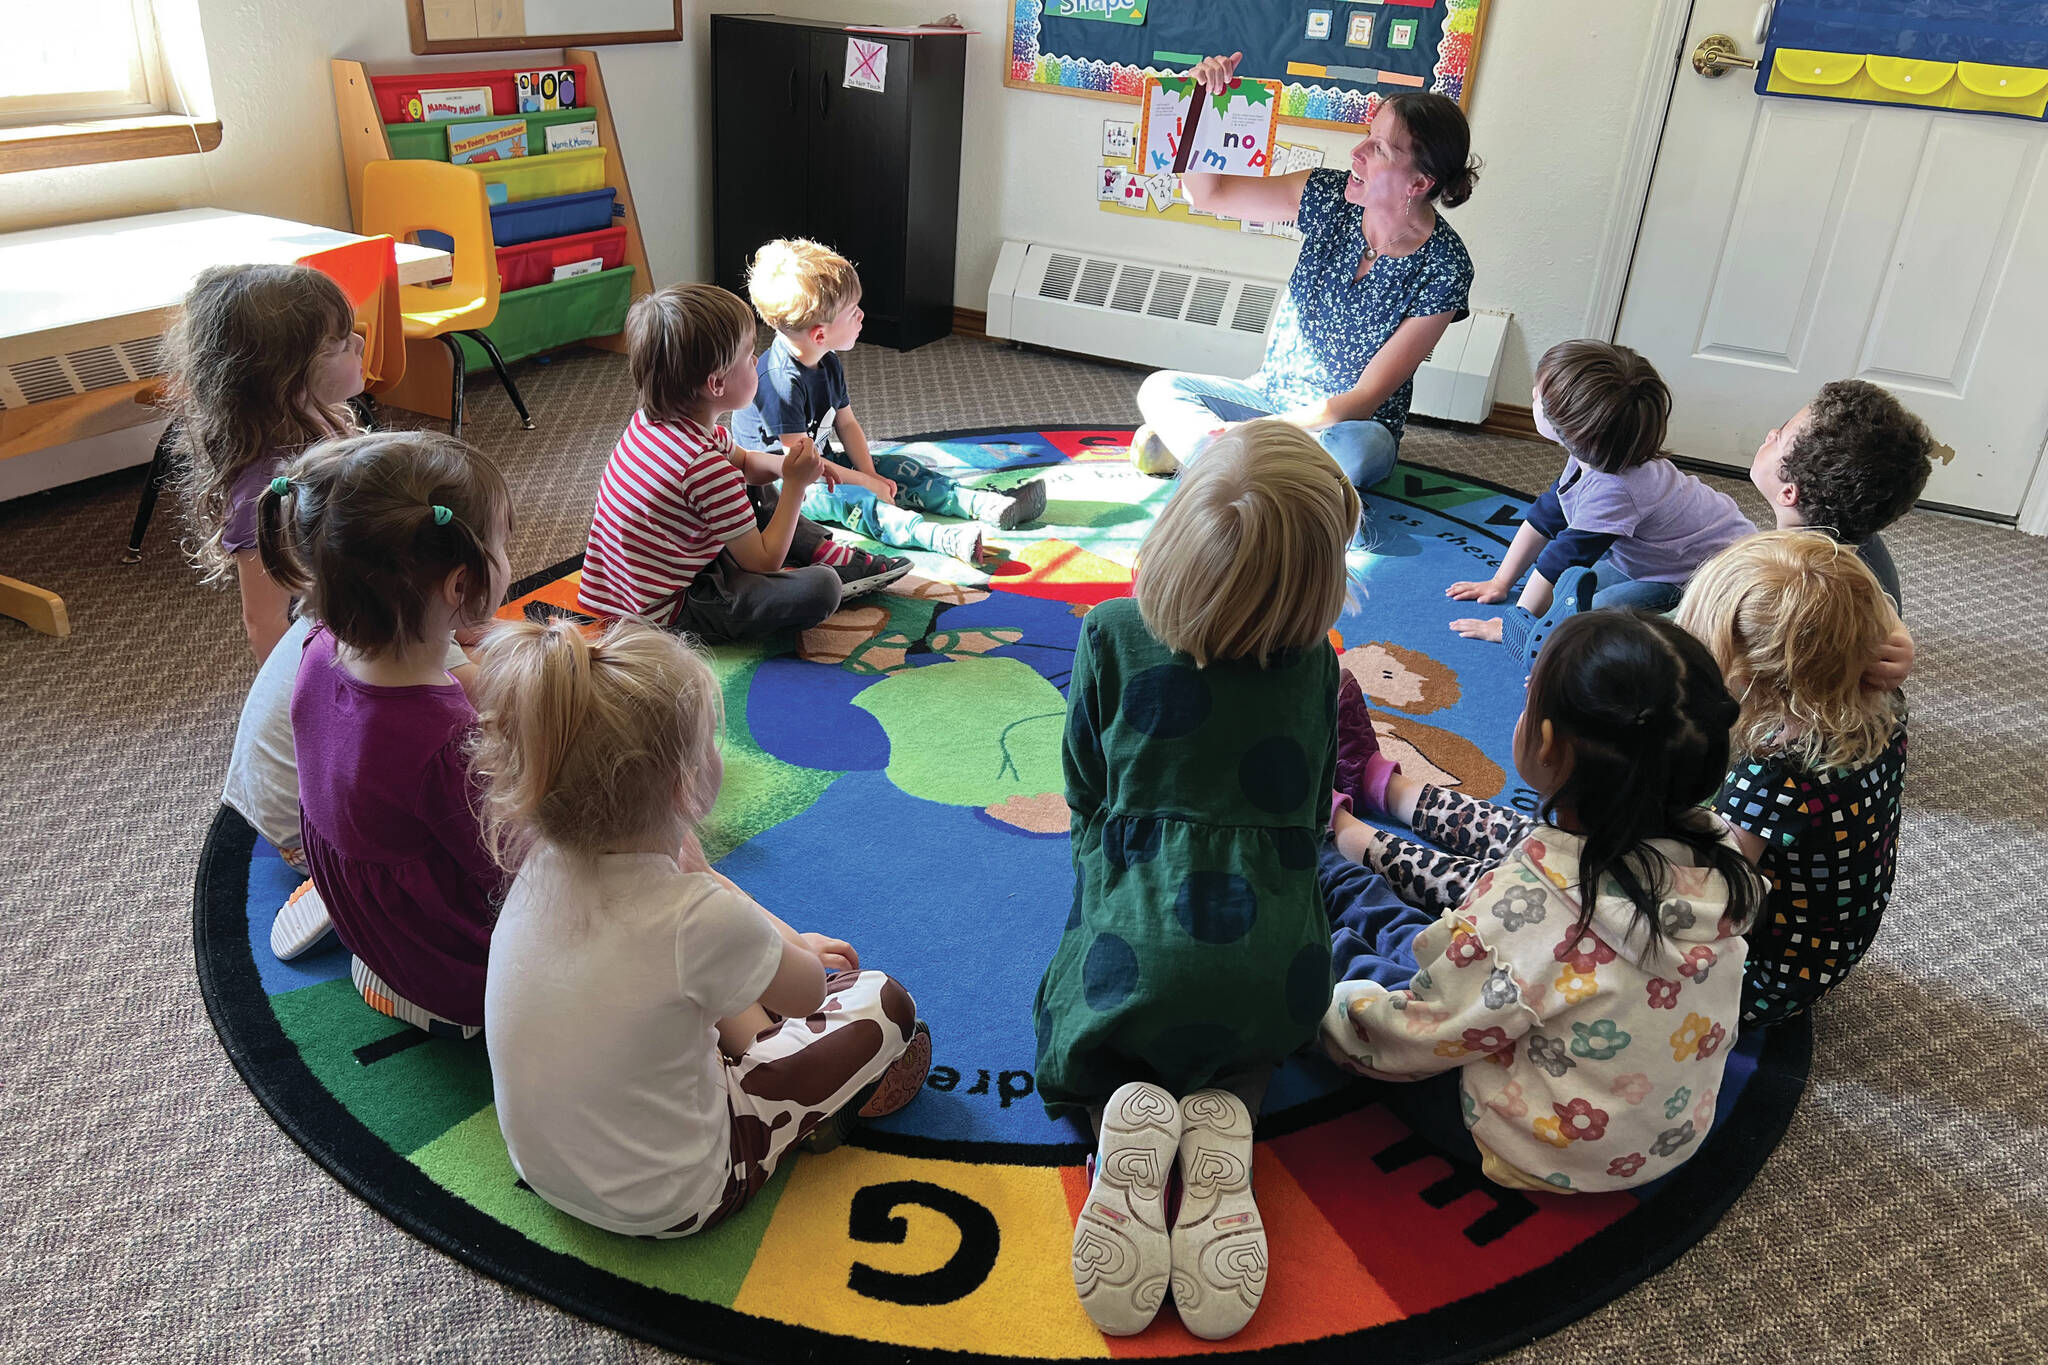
(793, 399)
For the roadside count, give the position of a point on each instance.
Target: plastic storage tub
(523, 267)
(563, 216)
(429, 141)
(546, 177)
(395, 93)
(559, 314)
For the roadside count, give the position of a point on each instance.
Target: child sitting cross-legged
(1820, 758)
(810, 295)
(1199, 753)
(685, 533)
(1620, 509)
(393, 541)
(658, 1041)
(1567, 993)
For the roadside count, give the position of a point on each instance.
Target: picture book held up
(1184, 128)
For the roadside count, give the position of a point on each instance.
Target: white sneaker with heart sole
(1219, 1242)
(1121, 1265)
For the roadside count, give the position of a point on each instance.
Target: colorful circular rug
(893, 776)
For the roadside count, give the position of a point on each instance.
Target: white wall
(1551, 107)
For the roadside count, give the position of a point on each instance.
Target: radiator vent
(97, 367)
(1059, 277)
(1254, 308)
(1132, 284)
(1170, 294)
(1207, 305)
(1095, 277)
(50, 377)
(41, 380)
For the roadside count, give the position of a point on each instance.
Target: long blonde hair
(586, 743)
(241, 357)
(1794, 618)
(1247, 558)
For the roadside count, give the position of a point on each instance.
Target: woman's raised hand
(1214, 73)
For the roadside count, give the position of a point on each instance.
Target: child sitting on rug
(1199, 753)
(1813, 795)
(1567, 991)
(1619, 508)
(658, 1042)
(1850, 463)
(810, 295)
(393, 542)
(263, 361)
(679, 536)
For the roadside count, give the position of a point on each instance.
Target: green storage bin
(429, 141)
(560, 313)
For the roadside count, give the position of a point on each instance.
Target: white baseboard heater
(1183, 318)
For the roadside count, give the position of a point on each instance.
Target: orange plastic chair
(401, 198)
(367, 272)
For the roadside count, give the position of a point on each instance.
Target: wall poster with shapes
(1331, 73)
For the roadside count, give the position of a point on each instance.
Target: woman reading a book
(1379, 278)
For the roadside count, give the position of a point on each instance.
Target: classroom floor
(153, 1210)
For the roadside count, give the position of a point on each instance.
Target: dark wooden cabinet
(873, 175)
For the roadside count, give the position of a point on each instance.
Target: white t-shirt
(607, 979)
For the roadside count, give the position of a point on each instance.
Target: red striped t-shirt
(670, 500)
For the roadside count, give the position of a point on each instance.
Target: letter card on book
(1228, 133)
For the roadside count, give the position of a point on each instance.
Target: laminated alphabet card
(1228, 133)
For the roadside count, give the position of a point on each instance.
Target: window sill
(87, 142)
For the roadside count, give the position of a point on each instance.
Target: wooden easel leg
(35, 607)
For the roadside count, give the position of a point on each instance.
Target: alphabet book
(1229, 133)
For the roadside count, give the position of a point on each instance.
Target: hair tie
(280, 485)
(442, 516)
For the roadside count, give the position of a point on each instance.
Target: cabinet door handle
(824, 90)
(792, 90)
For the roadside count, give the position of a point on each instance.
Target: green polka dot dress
(1197, 948)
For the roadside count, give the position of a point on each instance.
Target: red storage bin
(532, 263)
(394, 93)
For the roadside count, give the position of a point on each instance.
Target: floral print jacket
(1589, 1061)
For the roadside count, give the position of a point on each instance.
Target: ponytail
(1643, 707)
(275, 528)
(588, 743)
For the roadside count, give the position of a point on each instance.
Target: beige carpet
(153, 1211)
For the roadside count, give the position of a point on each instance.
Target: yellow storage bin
(2000, 89)
(544, 177)
(1905, 80)
(1829, 75)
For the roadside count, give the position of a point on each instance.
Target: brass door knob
(1717, 53)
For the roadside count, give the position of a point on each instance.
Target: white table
(83, 310)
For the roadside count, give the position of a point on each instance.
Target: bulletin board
(1336, 59)
(1973, 56)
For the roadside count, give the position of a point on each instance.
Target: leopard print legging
(1470, 837)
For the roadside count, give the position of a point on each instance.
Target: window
(81, 59)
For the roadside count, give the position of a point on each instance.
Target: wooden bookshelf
(429, 375)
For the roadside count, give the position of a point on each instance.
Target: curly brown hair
(1859, 463)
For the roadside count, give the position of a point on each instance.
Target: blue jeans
(1612, 588)
(919, 488)
(1372, 930)
(1185, 409)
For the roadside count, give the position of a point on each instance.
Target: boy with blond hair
(810, 295)
(680, 536)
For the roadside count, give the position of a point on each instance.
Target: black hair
(1643, 709)
(1441, 141)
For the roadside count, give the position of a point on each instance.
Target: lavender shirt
(238, 533)
(392, 838)
(1666, 523)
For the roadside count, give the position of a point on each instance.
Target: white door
(1789, 242)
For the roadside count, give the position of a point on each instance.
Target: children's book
(1187, 129)
(542, 90)
(575, 268)
(569, 137)
(469, 143)
(469, 101)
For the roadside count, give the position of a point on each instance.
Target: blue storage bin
(530, 220)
